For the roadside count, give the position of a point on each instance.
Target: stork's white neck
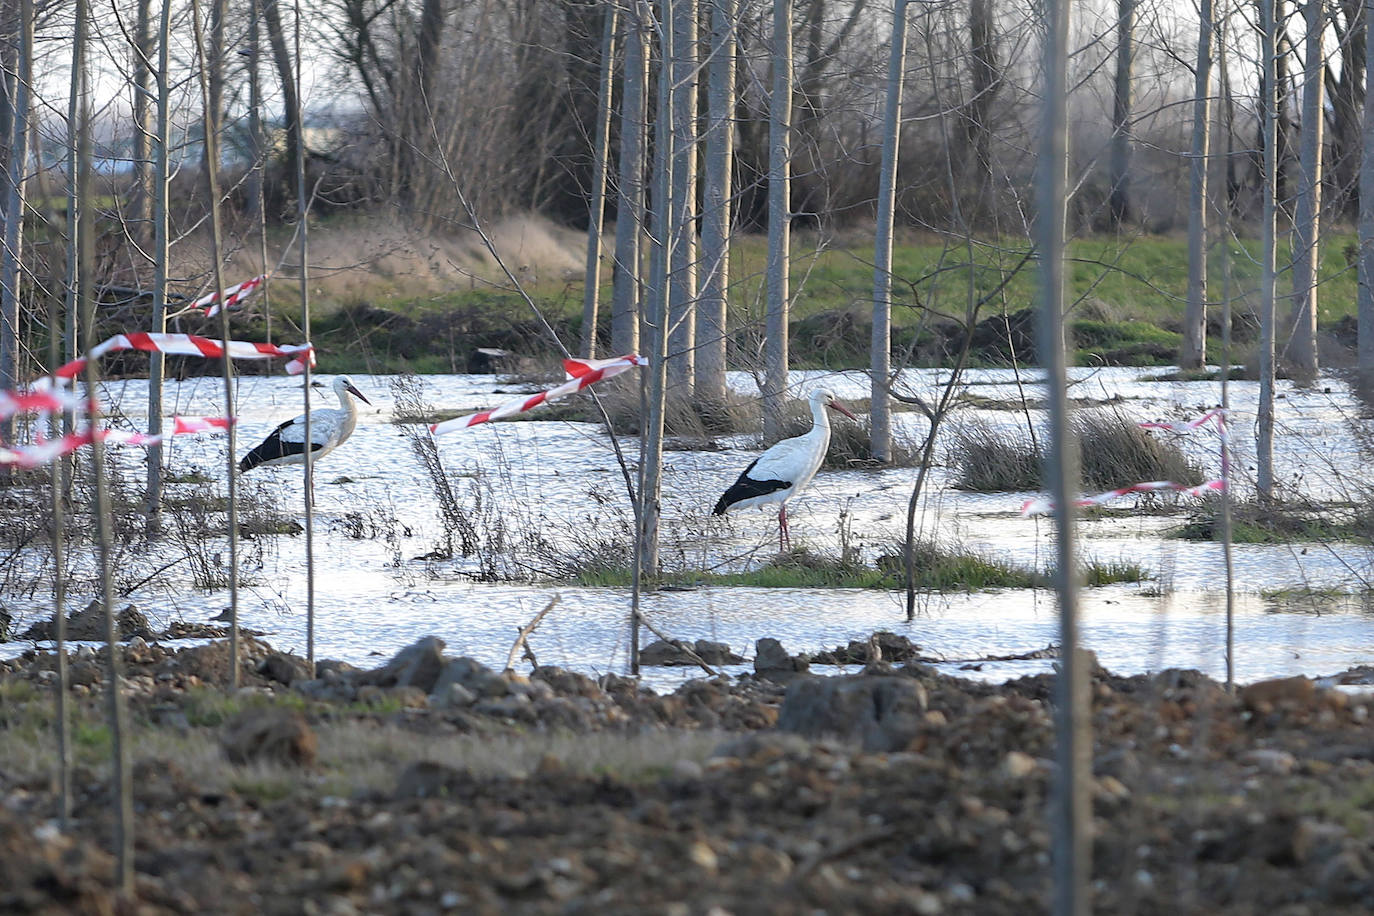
(820, 419)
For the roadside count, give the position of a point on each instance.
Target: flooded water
(555, 493)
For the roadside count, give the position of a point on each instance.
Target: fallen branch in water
(527, 629)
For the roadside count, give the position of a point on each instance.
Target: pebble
(1018, 765)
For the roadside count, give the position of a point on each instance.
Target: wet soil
(893, 790)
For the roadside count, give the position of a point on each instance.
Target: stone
(428, 779)
(1268, 760)
(662, 653)
(1017, 765)
(417, 665)
(881, 713)
(284, 668)
(567, 683)
(88, 625)
(772, 661)
(476, 677)
(1292, 693)
(716, 653)
(452, 696)
(269, 735)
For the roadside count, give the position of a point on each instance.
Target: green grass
(937, 569)
(1126, 304)
(1111, 572)
(1279, 523)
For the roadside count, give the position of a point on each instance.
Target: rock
(427, 779)
(269, 735)
(1017, 765)
(417, 665)
(333, 669)
(772, 661)
(489, 360)
(284, 668)
(716, 653)
(1315, 841)
(6, 624)
(89, 625)
(881, 646)
(661, 653)
(1288, 693)
(335, 690)
(882, 713)
(567, 683)
(476, 677)
(452, 696)
(1270, 761)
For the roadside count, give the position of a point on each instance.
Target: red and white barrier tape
(40, 453)
(581, 372)
(1215, 413)
(193, 345)
(39, 400)
(1043, 504)
(233, 296)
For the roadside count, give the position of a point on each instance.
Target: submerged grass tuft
(1282, 523)
(1113, 450)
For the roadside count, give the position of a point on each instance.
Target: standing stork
(786, 468)
(328, 430)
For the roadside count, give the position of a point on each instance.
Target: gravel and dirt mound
(433, 784)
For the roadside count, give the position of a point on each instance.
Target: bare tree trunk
(121, 781)
(256, 135)
(296, 119)
(291, 104)
(1269, 113)
(212, 57)
(629, 222)
(16, 177)
(161, 176)
(1366, 287)
(880, 352)
(226, 364)
(713, 309)
(1302, 345)
(779, 224)
(1122, 113)
(682, 251)
(656, 325)
(985, 80)
(1194, 351)
(591, 293)
(143, 167)
(1071, 804)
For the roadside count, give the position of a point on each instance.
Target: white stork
(785, 468)
(328, 430)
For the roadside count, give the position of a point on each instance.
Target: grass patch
(1112, 572)
(1298, 593)
(938, 568)
(1281, 523)
(1113, 450)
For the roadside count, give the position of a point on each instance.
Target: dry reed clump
(1113, 450)
(1116, 451)
(990, 459)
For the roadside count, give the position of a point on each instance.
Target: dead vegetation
(1113, 450)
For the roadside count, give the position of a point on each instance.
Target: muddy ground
(891, 789)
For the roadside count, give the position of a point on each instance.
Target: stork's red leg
(784, 536)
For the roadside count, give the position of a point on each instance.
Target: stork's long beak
(359, 395)
(836, 405)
